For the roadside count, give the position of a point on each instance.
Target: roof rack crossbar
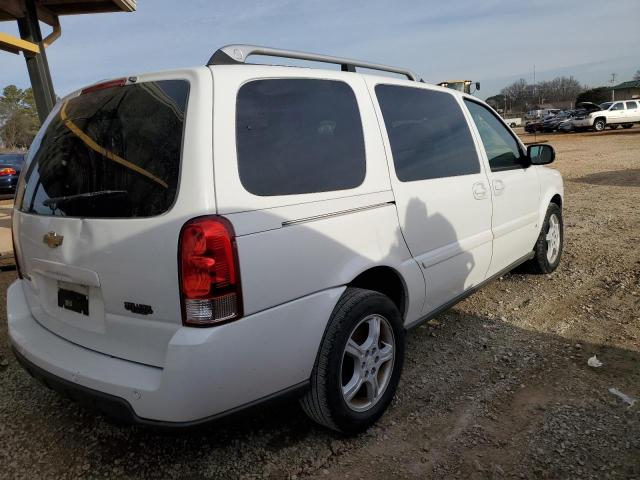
(235, 54)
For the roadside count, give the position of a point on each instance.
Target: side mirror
(541, 154)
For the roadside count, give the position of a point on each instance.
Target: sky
(492, 41)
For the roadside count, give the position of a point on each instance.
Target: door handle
(498, 187)
(479, 190)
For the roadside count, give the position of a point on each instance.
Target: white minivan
(193, 242)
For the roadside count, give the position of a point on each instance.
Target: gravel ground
(497, 387)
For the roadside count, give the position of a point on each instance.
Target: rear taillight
(118, 82)
(7, 171)
(209, 273)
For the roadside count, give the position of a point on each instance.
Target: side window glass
(428, 133)
(631, 105)
(618, 106)
(502, 148)
(298, 136)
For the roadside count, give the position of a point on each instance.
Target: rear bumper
(207, 373)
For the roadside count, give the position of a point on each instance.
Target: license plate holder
(73, 300)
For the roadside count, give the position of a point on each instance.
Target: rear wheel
(627, 125)
(359, 363)
(599, 125)
(548, 249)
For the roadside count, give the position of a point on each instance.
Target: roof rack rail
(235, 54)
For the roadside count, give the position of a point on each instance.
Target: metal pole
(37, 64)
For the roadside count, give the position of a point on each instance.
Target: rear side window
(428, 133)
(298, 136)
(631, 105)
(110, 152)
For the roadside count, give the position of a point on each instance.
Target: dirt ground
(497, 387)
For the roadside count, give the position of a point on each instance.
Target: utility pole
(534, 84)
(612, 81)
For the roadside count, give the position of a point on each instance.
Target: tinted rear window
(298, 136)
(428, 133)
(113, 152)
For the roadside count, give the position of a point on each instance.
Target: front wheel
(359, 363)
(599, 125)
(548, 248)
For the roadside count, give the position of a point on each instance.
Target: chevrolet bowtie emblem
(52, 239)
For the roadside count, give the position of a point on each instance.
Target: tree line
(19, 121)
(520, 95)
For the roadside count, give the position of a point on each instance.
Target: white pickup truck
(611, 114)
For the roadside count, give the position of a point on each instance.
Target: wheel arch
(386, 280)
(551, 195)
(557, 199)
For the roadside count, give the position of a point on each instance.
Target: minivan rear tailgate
(98, 214)
(118, 266)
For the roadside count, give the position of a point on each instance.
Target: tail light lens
(118, 82)
(209, 273)
(7, 171)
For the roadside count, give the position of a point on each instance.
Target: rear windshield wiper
(55, 202)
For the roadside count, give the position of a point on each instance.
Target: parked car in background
(196, 241)
(10, 167)
(563, 118)
(623, 113)
(513, 122)
(533, 126)
(566, 125)
(541, 113)
(551, 122)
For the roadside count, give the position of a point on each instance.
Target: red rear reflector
(7, 171)
(119, 82)
(209, 275)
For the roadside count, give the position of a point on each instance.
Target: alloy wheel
(367, 363)
(553, 239)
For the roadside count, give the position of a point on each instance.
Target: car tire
(548, 248)
(627, 125)
(346, 360)
(599, 125)
(512, 125)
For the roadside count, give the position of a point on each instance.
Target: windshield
(605, 105)
(125, 139)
